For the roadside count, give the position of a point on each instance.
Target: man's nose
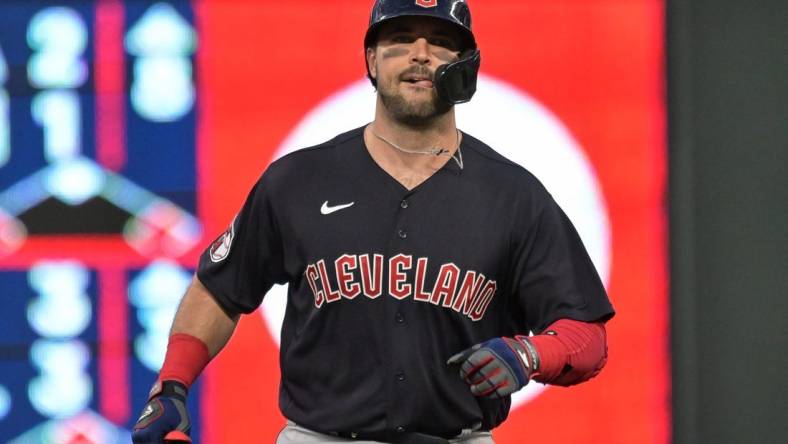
(421, 51)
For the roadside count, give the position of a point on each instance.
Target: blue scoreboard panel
(98, 226)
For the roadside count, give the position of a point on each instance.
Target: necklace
(434, 151)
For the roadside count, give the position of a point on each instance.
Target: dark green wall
(728, 102)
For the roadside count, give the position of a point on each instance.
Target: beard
(413, 113)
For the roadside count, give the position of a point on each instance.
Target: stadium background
(130, 133)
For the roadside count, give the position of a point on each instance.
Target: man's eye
(444, 43)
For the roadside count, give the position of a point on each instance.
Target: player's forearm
(200, 316)
(200, 330)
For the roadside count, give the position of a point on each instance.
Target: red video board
(132, 131)
(574, 90)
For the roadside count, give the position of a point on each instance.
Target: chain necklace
(434, 151)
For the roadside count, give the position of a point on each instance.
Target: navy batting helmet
(455, 12)
(454, 82)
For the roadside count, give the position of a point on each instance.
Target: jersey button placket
(398, 351)
(401, 232)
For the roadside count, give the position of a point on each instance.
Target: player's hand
(498, 367)
(164, 418)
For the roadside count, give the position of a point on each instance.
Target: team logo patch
(220, 248)
(427, 3)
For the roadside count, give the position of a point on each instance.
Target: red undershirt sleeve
(186, 357)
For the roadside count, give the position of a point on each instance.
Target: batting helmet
(455, 12)
(455, 82)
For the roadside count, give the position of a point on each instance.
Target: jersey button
(402, 234)
(400, 429)
(403, 204)
(399, 318)
(400, 376)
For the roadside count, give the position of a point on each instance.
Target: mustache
(418, 70)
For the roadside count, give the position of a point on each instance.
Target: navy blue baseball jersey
(386, 283)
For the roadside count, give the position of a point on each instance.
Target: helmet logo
(427, 3)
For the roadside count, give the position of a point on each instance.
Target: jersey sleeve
(553, 276)
(246, 260)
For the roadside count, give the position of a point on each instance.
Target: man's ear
(372, 63)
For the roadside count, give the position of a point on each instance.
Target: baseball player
(429, 278)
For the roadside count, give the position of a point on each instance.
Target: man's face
(408, 52)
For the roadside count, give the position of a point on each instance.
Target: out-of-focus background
(131, 131)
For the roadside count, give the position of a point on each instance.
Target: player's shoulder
(302, 161)
(502, 177)
(494, 166)
(323, 148)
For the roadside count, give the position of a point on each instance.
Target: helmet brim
(467, 40)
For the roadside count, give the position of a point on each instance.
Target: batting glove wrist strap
(498, 367)
(165, 417)
(173, 389)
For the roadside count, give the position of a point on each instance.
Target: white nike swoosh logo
(325, 209)
(145, 413)
(525, 359)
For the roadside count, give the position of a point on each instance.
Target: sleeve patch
(220, 248)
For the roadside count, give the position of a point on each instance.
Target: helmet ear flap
(456, 82)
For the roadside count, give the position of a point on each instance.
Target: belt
(397, 437)
(403, 437)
